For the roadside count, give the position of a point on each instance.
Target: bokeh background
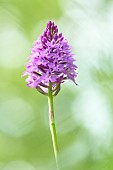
(84, 114)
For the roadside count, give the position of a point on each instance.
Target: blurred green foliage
(29, 13)
(83, 114)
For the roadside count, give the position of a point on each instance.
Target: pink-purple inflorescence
(51, 60)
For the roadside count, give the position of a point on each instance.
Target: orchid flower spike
(51, 60)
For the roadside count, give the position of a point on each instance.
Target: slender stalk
(52, 123)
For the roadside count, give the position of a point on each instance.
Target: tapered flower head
(51, 60)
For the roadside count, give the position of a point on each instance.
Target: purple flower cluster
(51, 60)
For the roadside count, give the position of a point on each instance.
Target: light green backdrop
(83, 114)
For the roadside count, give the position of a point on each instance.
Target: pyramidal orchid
(51, 62)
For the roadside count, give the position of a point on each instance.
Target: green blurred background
(84, 114)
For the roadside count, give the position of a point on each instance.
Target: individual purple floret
(51, 60)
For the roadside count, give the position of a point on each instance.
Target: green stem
(52, 123)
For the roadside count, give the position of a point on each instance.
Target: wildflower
(51, 60)
(50, 63)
